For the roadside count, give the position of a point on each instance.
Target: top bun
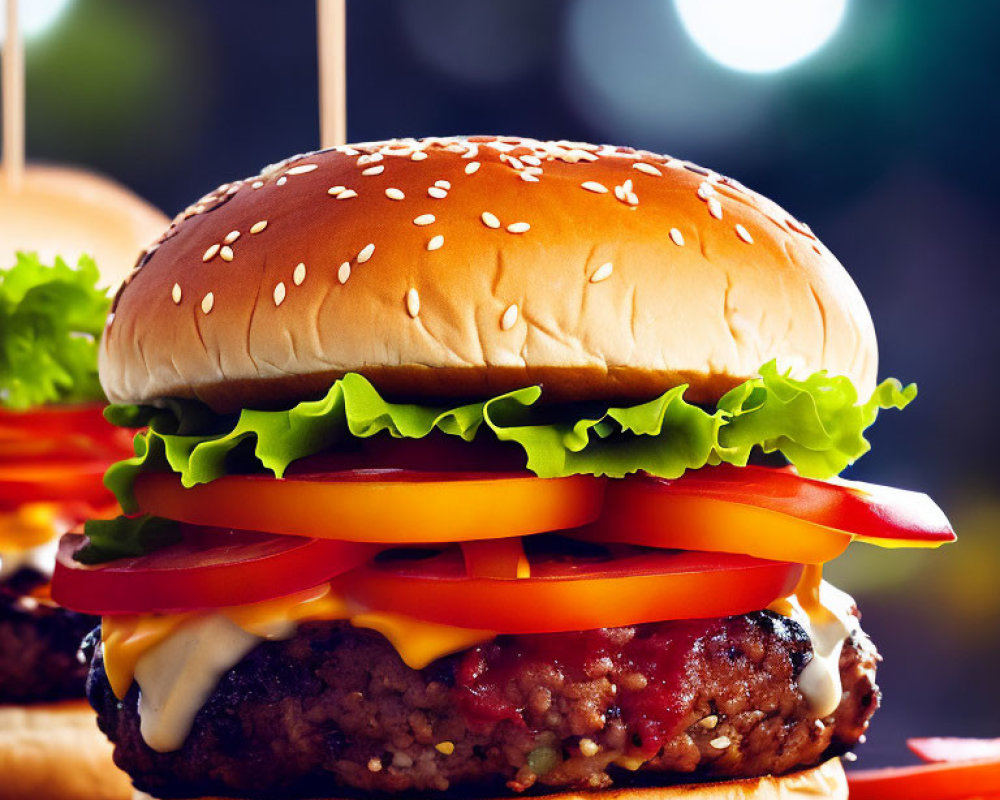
(464, 267)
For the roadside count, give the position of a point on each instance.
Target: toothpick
(331, 17)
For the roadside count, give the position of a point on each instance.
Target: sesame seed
(412, 303)
(420, 155)
(677, 237)
(301, 169)
(675, 163)
(709, 722)
(370, 158)
(211, 252)
(436, 243)
(257, 184)
(335, 190)
(257, 227)
(299, 275)
(490, 220)
(207, 303)
(226, 253)
(528, 177)
(437, 192)
(347, 195)
(472, 168)
(720, 742)
(376, 170)
(620, 193)
(715, 207)
(705, 190)
(850, 756)
(509, 317)
(518, 227)
(602, 273)
(588, 748)
(649, 169)
(632, 199)
(744, 234)
(514, 162)
(395, 194)
(175, 293)
(446, 185)
(424, 219)
(445, 748)
(279, 293)
(231, 237)
(281, 181)
(344, 272)
(594, 186)
(534, 161)
(627, 186)
(366, 252)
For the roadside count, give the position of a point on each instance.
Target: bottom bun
(54, 751)
(827, 781)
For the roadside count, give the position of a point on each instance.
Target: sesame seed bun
(827, 781)
(66, 212)
(469, 266)
(55, 752)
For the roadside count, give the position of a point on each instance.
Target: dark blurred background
(884, 140)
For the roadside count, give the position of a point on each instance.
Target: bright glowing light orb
(760, 35)
(36, 16)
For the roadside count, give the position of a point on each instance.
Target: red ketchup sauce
(662, 653)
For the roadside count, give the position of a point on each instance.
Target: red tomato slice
(961, 780)
(210, 568)
(391, 506)
(766, 512)
(572, 593)
(53, 482)
(939, 749)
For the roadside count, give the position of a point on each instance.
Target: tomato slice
(766, 512)
(53, 482)
(938, 749)
(209, 568)
(627, 587)
(960, 780)
(382, 505)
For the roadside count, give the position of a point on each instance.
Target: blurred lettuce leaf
(817, 423)
(51, 319)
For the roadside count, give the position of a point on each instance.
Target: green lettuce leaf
(51, 319)
(817, 423)
(126, 537)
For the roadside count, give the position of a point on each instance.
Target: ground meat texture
(39, 644)
(335, 710)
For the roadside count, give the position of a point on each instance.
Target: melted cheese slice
(824, 612)
(178, 659)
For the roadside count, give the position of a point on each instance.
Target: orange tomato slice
(385, 506)
(571, 592)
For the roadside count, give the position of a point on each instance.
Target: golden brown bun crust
(56, 752)
(616, 293)
(70, 212)
(825, 781)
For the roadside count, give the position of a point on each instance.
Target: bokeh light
(36, 17)
(636, 77)
(762, 35)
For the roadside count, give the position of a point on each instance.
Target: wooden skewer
(12, 85)
(331, 17)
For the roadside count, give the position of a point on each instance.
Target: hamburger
(481, 466)
(54, 449)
